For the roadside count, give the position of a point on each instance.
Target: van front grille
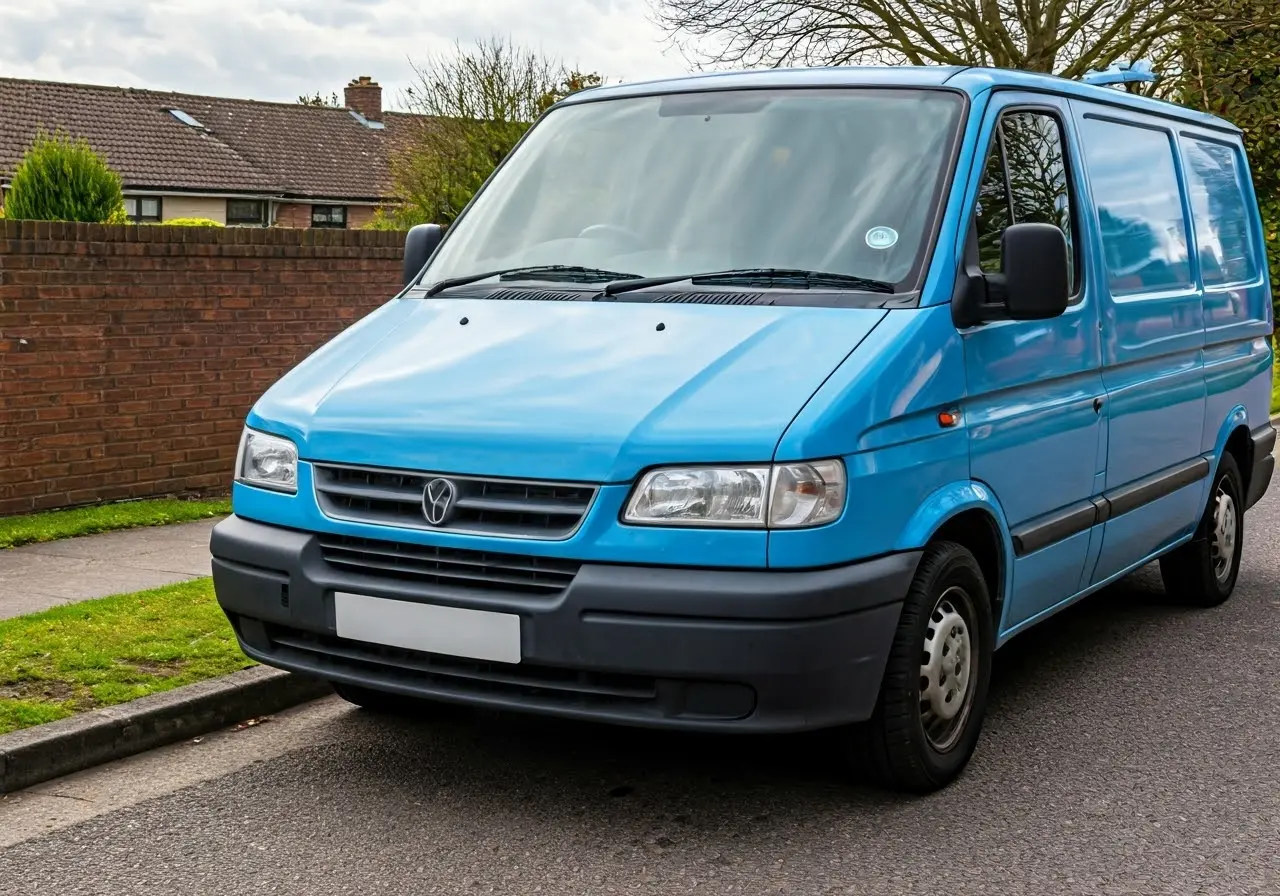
(447, 567)
(477, 506)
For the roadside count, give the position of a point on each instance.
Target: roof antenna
(1122, 72)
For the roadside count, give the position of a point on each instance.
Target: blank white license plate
(475, 634)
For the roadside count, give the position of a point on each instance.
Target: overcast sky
(278, 49)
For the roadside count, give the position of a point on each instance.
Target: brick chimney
(364, 95)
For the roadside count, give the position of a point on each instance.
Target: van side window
(1135, 188)
(993, 214)
(1025, 181)
(1219, 212)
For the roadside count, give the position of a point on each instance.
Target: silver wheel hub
(1225, 534)
(946, 667)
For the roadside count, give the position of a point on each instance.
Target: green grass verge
(1275, 390)
(56, 524)
(106, 651)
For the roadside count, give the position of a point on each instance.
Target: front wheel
(933, 695)
(1203, 572)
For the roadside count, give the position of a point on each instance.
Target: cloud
(278, 49)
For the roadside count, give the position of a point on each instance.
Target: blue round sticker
(882, 237)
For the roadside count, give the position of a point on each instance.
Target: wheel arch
(968, 514)
(1235, 438)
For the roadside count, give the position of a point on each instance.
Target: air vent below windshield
(538, 295)
(711, 298)
(657, 297)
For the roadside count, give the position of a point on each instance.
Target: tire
(908, 745)
(381, 702)
(1203, 572)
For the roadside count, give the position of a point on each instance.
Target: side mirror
(1037, 271)
(420, 242)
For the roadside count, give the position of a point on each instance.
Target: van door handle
(1097, 405)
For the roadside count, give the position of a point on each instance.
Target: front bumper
(653, 646)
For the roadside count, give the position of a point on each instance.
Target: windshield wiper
(566, 273)
(767, 277)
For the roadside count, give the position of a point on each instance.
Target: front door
(1035, 412)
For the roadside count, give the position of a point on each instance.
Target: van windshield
(841, 181)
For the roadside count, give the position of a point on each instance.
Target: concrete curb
(34, 755)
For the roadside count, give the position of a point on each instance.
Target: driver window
(993, 214)
(1025, 181)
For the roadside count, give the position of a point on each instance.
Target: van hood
(573, 391)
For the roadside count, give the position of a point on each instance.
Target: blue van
(773, 401)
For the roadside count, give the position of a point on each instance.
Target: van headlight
(267, 462)
(777, 496)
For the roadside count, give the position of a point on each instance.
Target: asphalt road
(1130, 748)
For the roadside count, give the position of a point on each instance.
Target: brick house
(238, 162)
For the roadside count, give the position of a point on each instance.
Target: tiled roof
(245, 146)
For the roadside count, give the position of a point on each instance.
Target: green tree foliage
(571, 83)
(61, 179)
(1230, 52)
(395, 219)
(474, 106)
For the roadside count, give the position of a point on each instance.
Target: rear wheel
(933, 695)
(1203, 572)
(382, 702)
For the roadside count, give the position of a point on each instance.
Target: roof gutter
(194, 194)
(282, 198)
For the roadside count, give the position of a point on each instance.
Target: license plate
(474, 634)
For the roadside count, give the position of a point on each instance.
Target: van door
(1153, 335)
(1034, 412)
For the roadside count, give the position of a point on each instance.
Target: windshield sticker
(882, 237)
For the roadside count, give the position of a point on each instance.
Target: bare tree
(472, 106)
(319, 99)
(492, 81)
(1069, 37)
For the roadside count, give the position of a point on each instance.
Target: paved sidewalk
(38, 576)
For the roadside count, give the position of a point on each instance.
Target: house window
(328, 216)
(142, 209)
(247, 212)
(186, 118)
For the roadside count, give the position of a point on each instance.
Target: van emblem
(437, 501)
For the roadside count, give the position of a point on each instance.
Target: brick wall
(359, 215)
(130, 355)
(293, 214)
